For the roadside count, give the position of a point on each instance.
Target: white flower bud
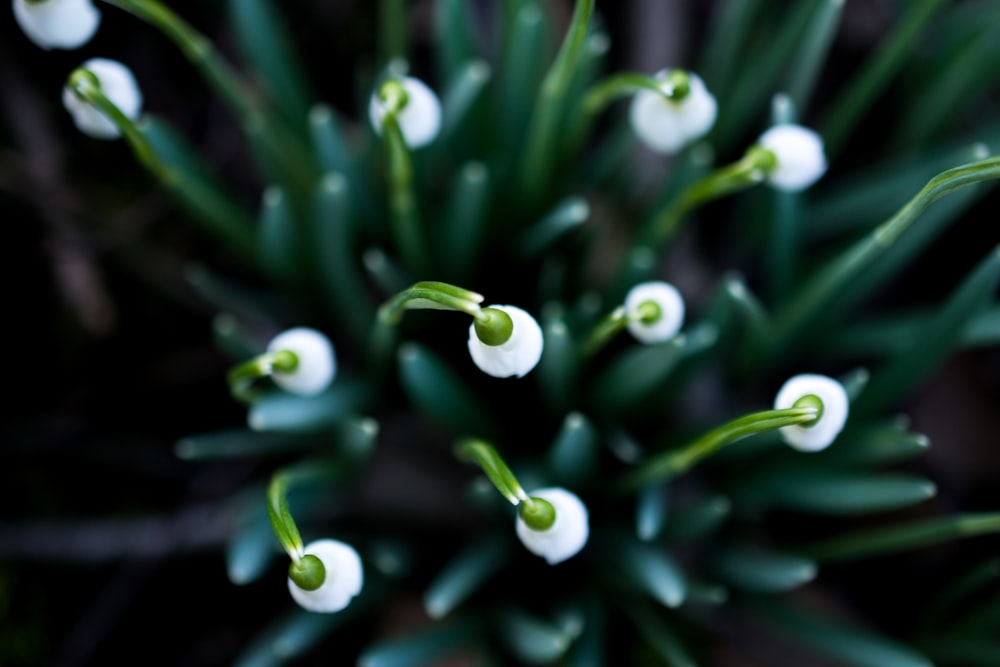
(419, 120)
(117, 84)
(566, 536)
(344, 577)
(317, 363)
(799, 152)
(671, 317)
(518, 355)
(818, 435)
(667, 126)
(57, 24)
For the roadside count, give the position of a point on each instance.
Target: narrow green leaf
(891, 383)
(461, 236)
(698, 520)
(953, 601)
(251, 550)
(963, 650)
(559, 366)
(831, 491)
(533, 640)
(463, 575)
(337, 258)
(731, 23)
(279, 411)
(651, 510)
(237, 443)
(811, 55)
(423, 647)
(455, 33)
(243, 302)
(266, 45)
(437, 392)
(848, 646)
(334, 156)
(574, 453)
(635, 374)
(464, 90)
(522, 71)
(762, 571)
(566, 216)
(654, 571)
(232, 338)
(843, 116)
(290, 637)
(874, 444)
(279, 242)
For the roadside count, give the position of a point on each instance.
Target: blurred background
(110, 545)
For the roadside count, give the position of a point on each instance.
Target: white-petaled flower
(57, 24)
(518, 355)
(799, 154)
(818, 435)
(664, 297)
(566, 536)
(344, 577)
(317, 364)
(117, 84)
(419, 119)
(667, 126)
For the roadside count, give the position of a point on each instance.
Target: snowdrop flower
(667, 126)
(343, 577)
(655, 311)
(418, 110)
(315, 364)
(566, 536)
(57, 24)
(116, 83)
(833, 410)
(798, 152)
(516, 354)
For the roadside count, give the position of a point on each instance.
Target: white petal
(671, 306)
(57, 24)
(518, 355)
(344, 577)
(317, 362)
(567, 536)
(835, 408)
(799, 150)
(419, 120)
(118, 85)
(666, 126)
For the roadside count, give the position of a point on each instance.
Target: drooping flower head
(116, 83)
(833, 406)
(419, 111)
(315, 362)
(57, 24)
(798, 151)
(568, 533)
(343, 577)
(668, 125)
(655, 311)
(517, 354)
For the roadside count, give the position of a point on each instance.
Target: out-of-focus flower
(666, 125)
(116, 83)
(344, 577)
(517, 355)
(419, 116)
(316, 364)
(655, 311)
(57, 24)
(821, 433)
(567, 535)
(798, 152)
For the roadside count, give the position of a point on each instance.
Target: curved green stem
(605, 330)
(430, 295)
(622, 84)
(675, 462)
(487, 457)
(242, 377)
(281, 518)
(406, 228)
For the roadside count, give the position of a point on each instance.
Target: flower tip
(420, 116)
(799, 153)
(518, 355)
(655, 311)
(316, 365)
(118, 85)
(343, 580)
(819, 434)
(57, 24)
(667, 126)
(567, 535)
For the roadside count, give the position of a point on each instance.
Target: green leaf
(732, 21)
(279, 411)
(812, 52)
(660, 636)
(266, 45)
(875, 444)
(635, 374)
(437, 392)
(847, 646)
(466, 88)
(761, 571)
(250, 550)
(559, 366)
(336, 257)
(334, 156)
(290, 637)
(423, 647)
(891, 383)
(654, 571)
(651, 510)
(460, 238)
(522, 69)
(567, 215)
(533, 640)
(469, 570)
(454, 34)
(279, 241)
(235, 443)
(698, 520)
(573, 455)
